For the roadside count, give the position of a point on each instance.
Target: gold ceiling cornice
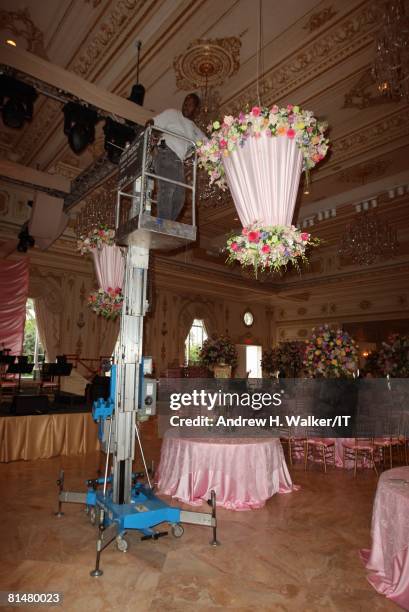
(352, 33)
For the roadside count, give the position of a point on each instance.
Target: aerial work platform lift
(120, 502)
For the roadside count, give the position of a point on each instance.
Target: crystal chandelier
(391, 66)
(368, 239)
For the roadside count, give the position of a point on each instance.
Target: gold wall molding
(317, 20)
(363, 173)
(381, 131)
(123, 12)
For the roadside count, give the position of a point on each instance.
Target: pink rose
(223, 143)
(305, 236)
(265, 248)
(290, 133)
(290, 107)
(234, 246)
(244, 231)
(256, 111)
(254, 236)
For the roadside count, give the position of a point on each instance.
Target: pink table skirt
(244, 473)
(388, 559)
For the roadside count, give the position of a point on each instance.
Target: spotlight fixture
(138, 90)
(79, 126)
(16, 101)
(25, 240)
(117, 136)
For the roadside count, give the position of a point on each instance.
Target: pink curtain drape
(13, 298)
(109, 267)
(263, 177)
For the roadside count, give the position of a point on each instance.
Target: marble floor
(299, 553)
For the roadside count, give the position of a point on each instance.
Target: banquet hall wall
(182, 291)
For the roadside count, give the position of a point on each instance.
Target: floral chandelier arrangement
(261, 154)
(330, 353)
(269, 248)
(291, 122)
(108, 303)
(218, 350)
(393, 357)
(96, 238)
(108, 261)
(287, 358)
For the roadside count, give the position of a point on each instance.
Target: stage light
(11, 42)
(16, 101)
(138, 90)
(79, 126)
(117, 137)
(25, 240)
(137, 94)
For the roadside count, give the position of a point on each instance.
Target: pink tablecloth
(388, 560)
(244, 472)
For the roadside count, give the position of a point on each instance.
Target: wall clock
(248, 318)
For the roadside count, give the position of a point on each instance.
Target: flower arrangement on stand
(286, 358)
(218, 350)
(96, 239)
(108, 303)
(393, 357)
(269, 248)
(330, 353)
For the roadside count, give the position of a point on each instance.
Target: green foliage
(194, 353)
(30, 333)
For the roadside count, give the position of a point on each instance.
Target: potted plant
(219, 354)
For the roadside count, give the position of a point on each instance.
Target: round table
(388, 559)
(244, 472)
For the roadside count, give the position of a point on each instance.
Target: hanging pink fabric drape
(263, 177)
(109, 267)
(13, 298)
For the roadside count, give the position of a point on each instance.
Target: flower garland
(96, 239)
(291, 122)
(108, 303)
(218, 349)
(286, 358)
(269, 247)
(393, 357)
(330, 353)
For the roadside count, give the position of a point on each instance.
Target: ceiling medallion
(207, 63)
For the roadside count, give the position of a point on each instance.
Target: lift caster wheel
(92, 516)
(122, 544)
(177, 530)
